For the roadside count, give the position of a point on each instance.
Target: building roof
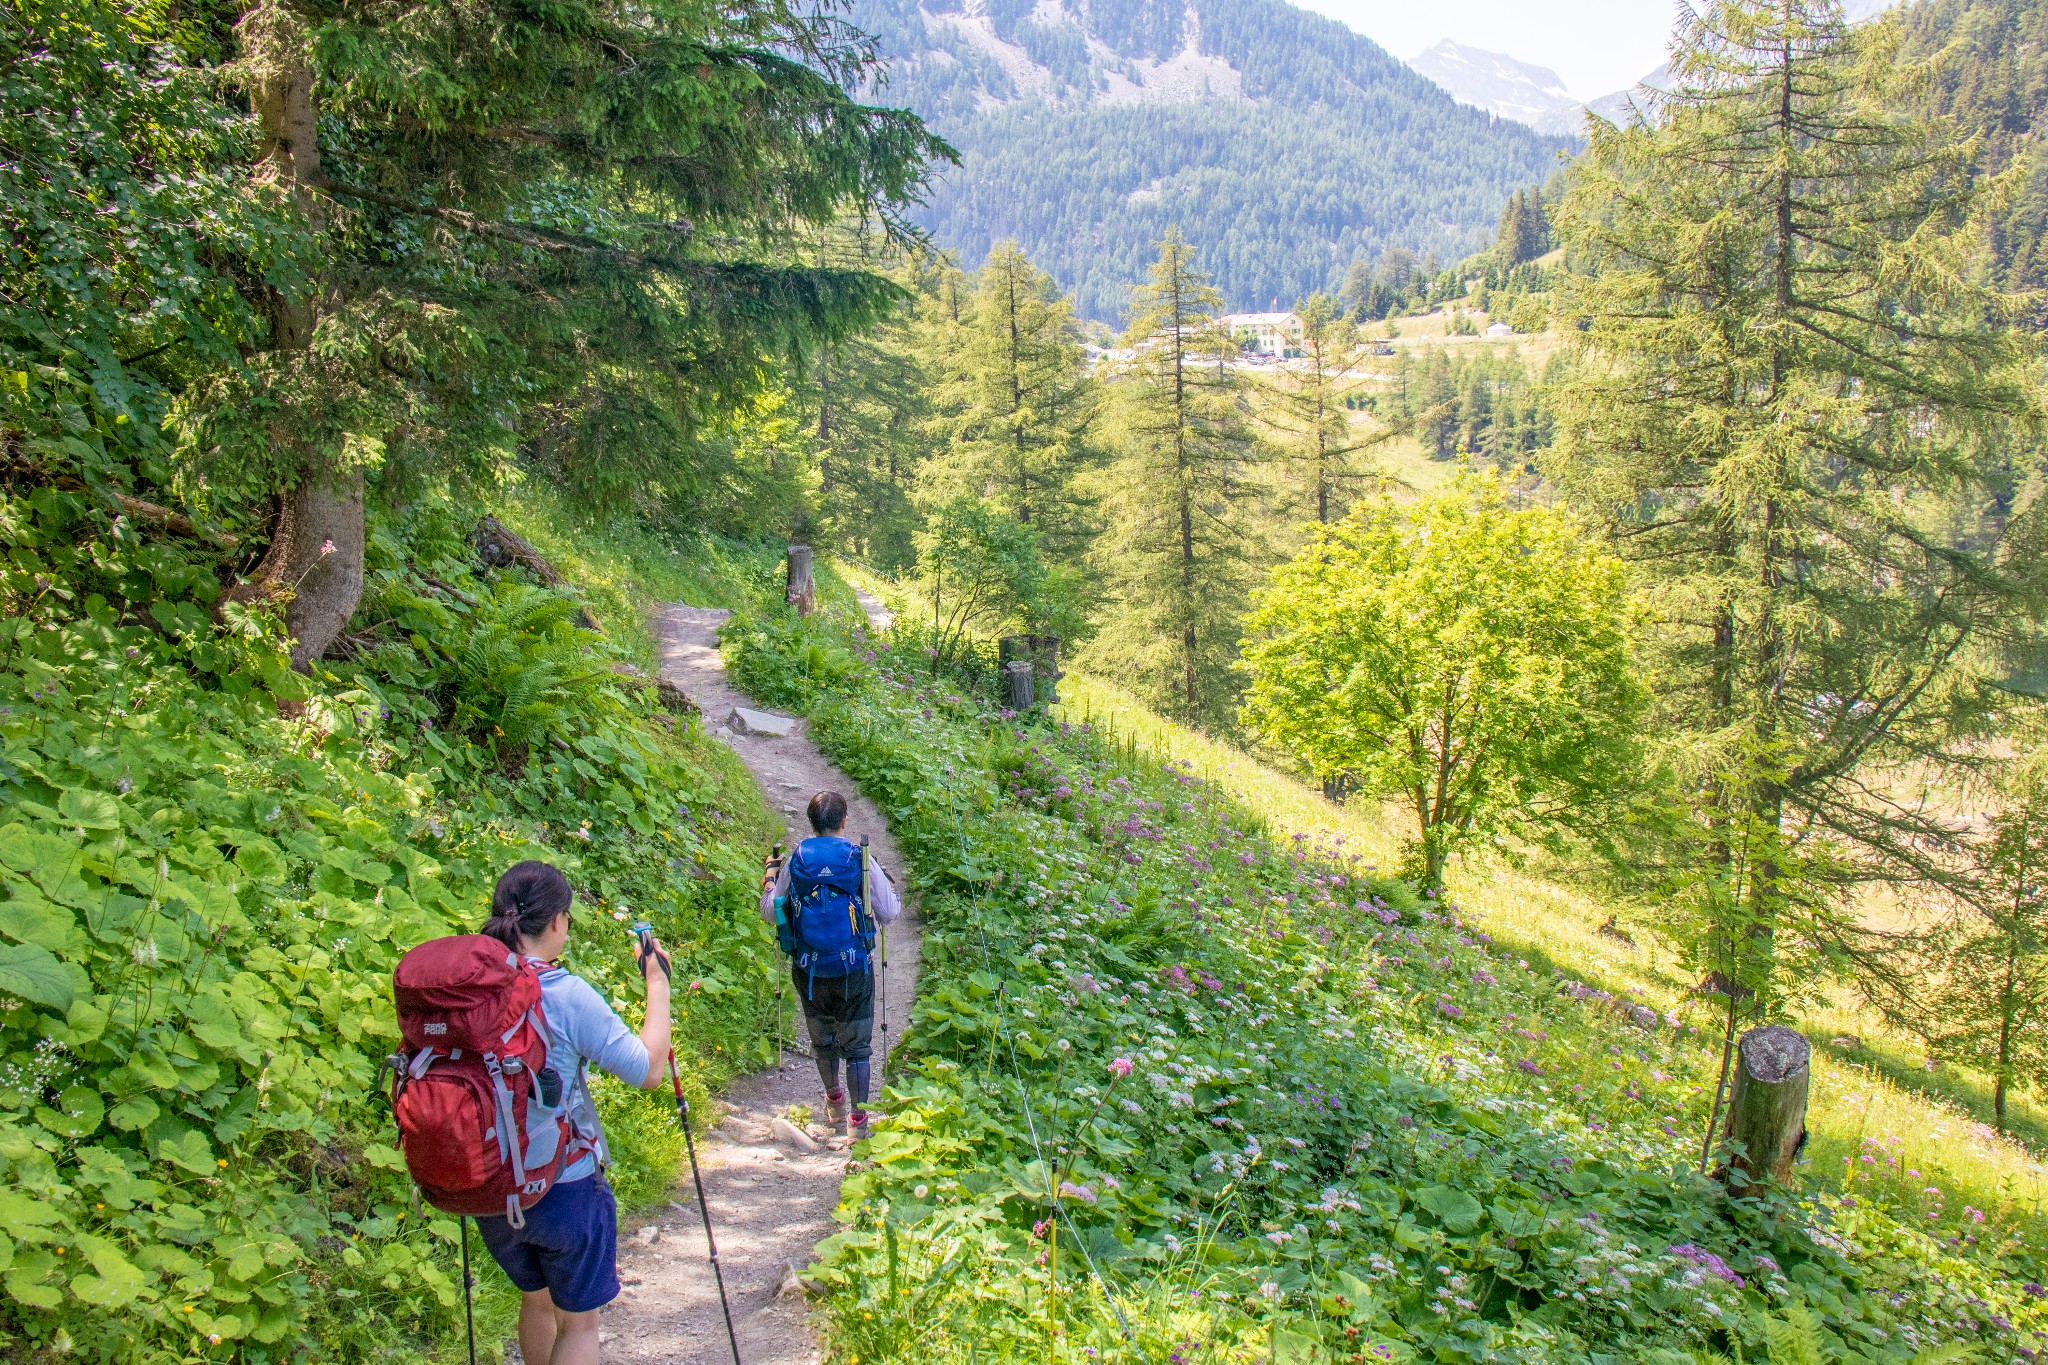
(1261, 320)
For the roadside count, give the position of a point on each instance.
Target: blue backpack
(826, 926)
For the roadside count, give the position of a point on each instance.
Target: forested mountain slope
(1282, 142)
(1993, 79)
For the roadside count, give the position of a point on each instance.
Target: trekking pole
(882, 1004)
(645, 933)
(882, 974)
(703, 1205)
(781, 982)
(468, 1293)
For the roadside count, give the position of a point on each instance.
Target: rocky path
(771, 1187)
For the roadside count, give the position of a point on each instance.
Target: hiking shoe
(857, 1127)
(835, 1110)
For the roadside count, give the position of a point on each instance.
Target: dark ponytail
(526, 901)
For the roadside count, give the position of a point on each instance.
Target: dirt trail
(771, 1202)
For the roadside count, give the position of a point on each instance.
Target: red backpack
(482, 1119)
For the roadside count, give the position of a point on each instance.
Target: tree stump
(1767, 1104)
(803, 592)
(1019, 673)
(673, 699)
(1042, 652)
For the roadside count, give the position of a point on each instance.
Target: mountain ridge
(1504, 85)
(1282, 143)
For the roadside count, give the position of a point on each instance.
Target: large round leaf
(1455, 1209)
(33, 972)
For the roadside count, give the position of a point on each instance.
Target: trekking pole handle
(644, 933)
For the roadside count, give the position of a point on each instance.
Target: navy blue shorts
(569, 1246)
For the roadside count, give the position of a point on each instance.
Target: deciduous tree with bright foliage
(1465, 656)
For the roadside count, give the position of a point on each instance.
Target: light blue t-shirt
(583, 1029)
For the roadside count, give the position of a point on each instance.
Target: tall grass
(1918, 1129)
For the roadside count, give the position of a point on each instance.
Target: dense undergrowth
(210, 864)
(1290, 1111)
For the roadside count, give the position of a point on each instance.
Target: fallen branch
(450, 589)
(172, 520)
(499, 547)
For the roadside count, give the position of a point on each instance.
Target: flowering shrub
(1243, 1098)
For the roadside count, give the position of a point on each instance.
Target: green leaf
(1455, 1209)
(384, 1157)
(260, 860)
(189, 1151)
(32, 972)
(83, 1023)
(1292, 1348)
(89, 809)
(132, 1115)
(118, 1282)
(27, 1289)
(80, 1113)
(148, 1067)
(24, 1217)
(29, 918)
(1516, 1222)
(214, 1024)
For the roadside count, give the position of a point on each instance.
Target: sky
(1597, 46)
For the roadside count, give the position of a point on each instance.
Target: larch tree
(1976, 983)
(1014, 406)
(1177, 555)
(560, 231)
(1793, 408)
(1326, 449)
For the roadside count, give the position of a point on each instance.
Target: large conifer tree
(1177, 555)
(565, 226)
(1796, 409)
(1309, 407)
(1014, 407)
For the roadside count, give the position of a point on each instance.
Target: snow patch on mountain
(1531, 95)
(1189, 74)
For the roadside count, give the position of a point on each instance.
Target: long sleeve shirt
(882, 900)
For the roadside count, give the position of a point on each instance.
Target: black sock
(857, 1083)
(828, 1072)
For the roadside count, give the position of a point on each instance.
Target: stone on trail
(648, 1235)
(793, 1135)
(749, 722)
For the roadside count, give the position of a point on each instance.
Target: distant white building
(1274, 334)
(1499, 330)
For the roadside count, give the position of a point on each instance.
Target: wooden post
(1042, 652)
(1767, 1105)
(803, 593)
(1019, 672)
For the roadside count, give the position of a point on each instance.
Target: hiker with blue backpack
(824, 903)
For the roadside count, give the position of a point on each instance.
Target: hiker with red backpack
(824, 903)
(493, 1101)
